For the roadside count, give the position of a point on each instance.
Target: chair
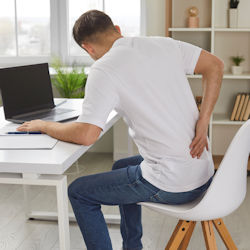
(224, 195)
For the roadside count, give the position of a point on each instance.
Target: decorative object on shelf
(198, 100)
(237, 69)
(70, 81)
(193, 19)
(233, 14)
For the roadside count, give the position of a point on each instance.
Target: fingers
(194, 142)
(198, 147)
(24, 127)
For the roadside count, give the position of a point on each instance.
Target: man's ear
(118, 29)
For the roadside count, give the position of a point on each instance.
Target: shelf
(194, 76)
(232, 30)
(224, 119)
(190, 29)
(227, 75)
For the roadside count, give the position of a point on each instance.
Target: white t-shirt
(144, 80)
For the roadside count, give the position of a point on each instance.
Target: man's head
(95, 32)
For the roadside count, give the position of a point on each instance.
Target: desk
(46, 168)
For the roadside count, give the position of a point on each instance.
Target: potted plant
(237, 60)
(233, 13)
(69, 81)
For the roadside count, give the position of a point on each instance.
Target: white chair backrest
(228, 188)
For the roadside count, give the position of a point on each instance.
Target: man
(144, 80)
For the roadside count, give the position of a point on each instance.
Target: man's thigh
(122, 186)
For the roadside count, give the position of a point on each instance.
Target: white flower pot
(237, 70)
(233, 18)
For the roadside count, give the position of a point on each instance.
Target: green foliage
(237, 60)
(69, 83)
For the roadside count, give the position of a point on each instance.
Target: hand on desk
(75, 132)
(35, 125)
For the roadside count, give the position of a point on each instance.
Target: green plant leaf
(70, 84)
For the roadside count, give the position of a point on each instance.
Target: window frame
(59, 37)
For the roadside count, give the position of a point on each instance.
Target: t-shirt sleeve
(190, 55)
(100, 99)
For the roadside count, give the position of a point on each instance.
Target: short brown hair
(89, 24)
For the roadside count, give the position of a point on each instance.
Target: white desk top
(55, 161)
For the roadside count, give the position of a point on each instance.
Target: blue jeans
(124, 186)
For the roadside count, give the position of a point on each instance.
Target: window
(33, 31)
(33, 27)
(7, 28)
(24, 32)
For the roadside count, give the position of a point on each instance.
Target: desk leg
(26, 201)
(63, 214)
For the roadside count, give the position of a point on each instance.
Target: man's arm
(211, 68)
(76, 132)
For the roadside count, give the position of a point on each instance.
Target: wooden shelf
(224, 119)
(218, 158)
(190, 29)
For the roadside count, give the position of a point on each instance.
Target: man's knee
(72, 189)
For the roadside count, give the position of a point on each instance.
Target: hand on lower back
(199, 142)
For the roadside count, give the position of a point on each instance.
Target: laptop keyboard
(46, 114)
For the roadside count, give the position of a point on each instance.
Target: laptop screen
(25, 89)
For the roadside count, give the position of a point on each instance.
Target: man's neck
(112, 41)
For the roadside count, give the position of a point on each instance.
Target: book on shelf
(244, 107)
(236, 104)
(242, 98)
(247, 112)
(241, 109)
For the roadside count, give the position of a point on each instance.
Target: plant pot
(233, 18)
(237, 70)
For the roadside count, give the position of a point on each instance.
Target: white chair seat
(183, 211)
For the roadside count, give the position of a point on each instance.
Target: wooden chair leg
(208, 232)
(186, 240)
(179, 233)
(224, 234)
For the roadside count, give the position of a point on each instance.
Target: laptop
(27, 95)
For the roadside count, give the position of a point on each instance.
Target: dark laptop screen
(25, 89)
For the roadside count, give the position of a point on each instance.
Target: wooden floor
(17, 233)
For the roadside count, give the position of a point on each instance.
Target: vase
(233, 18)
(193, 22)
(237, 70)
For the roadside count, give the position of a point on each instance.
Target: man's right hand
(200, 140)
